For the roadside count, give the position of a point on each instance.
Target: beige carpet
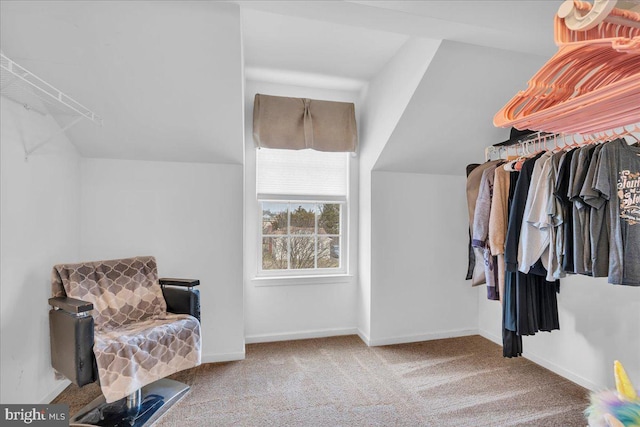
(341, 382)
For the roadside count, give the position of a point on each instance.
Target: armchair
(116, 323)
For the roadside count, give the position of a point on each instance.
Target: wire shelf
(27, 89)
(20, 85)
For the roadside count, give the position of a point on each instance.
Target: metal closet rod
(632, 130)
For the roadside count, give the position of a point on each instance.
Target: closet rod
(524, 138)
(575, 140)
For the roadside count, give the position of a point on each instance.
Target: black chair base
(156, 399)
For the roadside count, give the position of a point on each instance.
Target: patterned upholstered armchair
(116, 323)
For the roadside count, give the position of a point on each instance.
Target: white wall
(187, 215)
(294, 308)
(385, 99)
(156, 71)
(449, 121)
(40, 212)
(599, 323)
(419, 239)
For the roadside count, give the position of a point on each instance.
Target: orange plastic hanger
(578, 21)
(592, 83)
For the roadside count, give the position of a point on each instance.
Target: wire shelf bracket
(34, 94)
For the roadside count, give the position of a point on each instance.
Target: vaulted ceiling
(167, 76)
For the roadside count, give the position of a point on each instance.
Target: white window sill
(301, 280)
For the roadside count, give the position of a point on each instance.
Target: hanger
(556, 148)
(592, 83)
(511, 161)
(554, 89)
(578, 21)
(631, 132)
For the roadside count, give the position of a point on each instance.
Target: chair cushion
(136, 354)
(122, 290)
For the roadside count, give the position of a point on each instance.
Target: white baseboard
(571, 376)
(491, 337)
(545, 363)
(290, 336)
(421, 337)
(223, 357)
(59, 388)
(364, 337)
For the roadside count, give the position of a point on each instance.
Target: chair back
(122, 291)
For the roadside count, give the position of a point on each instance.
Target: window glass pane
(274, 253)
(303, 218)
(274, 218)
(300, 235)
(303, 252)
(329, 218)
(328, 252)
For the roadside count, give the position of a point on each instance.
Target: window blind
(302, 172)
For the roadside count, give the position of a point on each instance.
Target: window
(303, 206)
(300, 235)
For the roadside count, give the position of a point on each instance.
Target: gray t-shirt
(598, 228)
(581, 211)
(535, 230)
(556, 215)
(618, 179)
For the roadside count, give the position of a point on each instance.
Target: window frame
(306, 272)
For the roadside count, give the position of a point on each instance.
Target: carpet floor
(340, 381)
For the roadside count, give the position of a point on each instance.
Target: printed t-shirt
(618, 179)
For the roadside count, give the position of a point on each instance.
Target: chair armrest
(71, 336)
(187, 283)
(70, 305)
(181, 300)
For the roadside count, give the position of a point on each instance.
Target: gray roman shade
(299, 123)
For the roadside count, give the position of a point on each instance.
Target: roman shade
(299, 123)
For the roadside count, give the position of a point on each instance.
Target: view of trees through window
(300, 235)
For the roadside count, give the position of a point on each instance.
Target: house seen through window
(300, 235)
(302, 196)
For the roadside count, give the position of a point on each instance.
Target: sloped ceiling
(518, 25)
(490, 50)
(448, 121)
(165, 76)
(293, 46)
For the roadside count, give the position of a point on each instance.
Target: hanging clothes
(565, 235)
(498, 221)
(556, 221)
(480, 238)
(618, 180)
(471, 254)
(573, 211)
(598, 221)
(581, 211)
(535, 229)
(530, 300)
(473, 188)
(511, 341)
